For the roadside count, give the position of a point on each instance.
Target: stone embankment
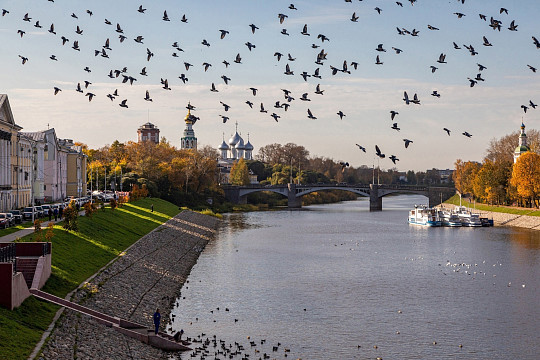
(504, 219)
(149, 275)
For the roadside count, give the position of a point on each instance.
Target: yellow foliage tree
(240, 173)
(464, 175)
(526, 177)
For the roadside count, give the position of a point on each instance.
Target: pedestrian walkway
(21, 233)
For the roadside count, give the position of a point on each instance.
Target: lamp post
(291, 172)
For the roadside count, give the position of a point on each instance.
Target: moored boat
(424, 216)
(467, 217)
(449, 219)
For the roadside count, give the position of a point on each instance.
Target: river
(339, 282)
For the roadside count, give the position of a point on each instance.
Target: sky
(490, 109)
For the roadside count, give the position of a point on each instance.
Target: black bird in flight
(407, 142)
(361, 147)
(467, 134)
(378, 152)
(447, 131)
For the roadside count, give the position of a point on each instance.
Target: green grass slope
(75, 257)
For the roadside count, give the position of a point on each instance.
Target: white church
(235, 150)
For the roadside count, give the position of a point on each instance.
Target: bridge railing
(304, 186)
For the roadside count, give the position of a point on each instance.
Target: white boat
(467, 217)
(424, 216)
(449, 218)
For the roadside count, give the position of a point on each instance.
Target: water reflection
(334, 281)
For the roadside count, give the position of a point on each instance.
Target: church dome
(235, 139)
(240, 145)
(224, 146)
(521, 149)
(248, 146)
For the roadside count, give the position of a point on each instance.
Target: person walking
(50, 214)
(55, 214)
(61, 212)
(157, 320)
(152, 208)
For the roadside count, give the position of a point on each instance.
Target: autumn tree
(464, 175)
(239, 173)
(526, 177)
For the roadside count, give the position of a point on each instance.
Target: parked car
(27, 213)
(17, 215)
(11, 218)
(39, 211)
(4, 221)
(45, 210)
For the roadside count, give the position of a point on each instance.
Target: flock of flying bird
(321, 57)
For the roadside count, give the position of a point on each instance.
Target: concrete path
(21, 233)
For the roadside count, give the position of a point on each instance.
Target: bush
(89, 209)
(71, 218)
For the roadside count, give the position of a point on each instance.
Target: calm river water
(338, 282)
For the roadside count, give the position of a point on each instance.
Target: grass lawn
(502, 209)
(75, 257)
(16, 228)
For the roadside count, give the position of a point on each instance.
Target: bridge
(375, 192)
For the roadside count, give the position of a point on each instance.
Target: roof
(522, 148)
(6, 115)
(224, 146)
(235, 139)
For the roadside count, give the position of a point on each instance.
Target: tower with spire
(189, 141)
(522, 147)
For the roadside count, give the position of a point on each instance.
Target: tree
(240, 173)
(526, 177)
(71, 217)
(464, 175)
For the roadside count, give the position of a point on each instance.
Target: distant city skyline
(490, 109)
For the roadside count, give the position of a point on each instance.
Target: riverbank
(148, 275)
(506, 219)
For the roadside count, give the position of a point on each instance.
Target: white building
(50, 177)
(235, 150)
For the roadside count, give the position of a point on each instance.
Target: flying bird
(341, 114)
(310, 115)
(393, 113)
(467, 134)
(123, 103)
(361, 147)
(407, 142)
(223, 33)
(56, 90)
(447, 131)
(147, 97)
(225, 106)
(393, 158)
(378, 152)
